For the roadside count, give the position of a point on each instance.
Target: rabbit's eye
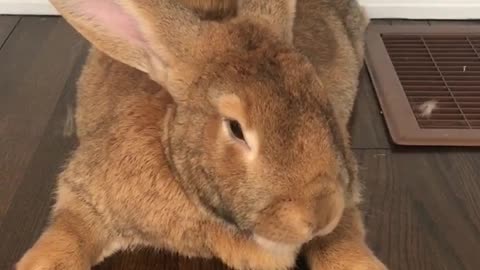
(235, 129)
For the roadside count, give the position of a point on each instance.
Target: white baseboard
(449, 10)
(395, 9)
(26, 7)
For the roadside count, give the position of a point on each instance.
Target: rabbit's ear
(279, 14)
(150, 35)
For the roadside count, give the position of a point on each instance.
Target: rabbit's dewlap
(253, 139)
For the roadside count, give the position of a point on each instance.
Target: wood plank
(367, 126)
(400, 230)
(444, 185)
(147, 259)
(34, 65)
(35, 192)
(7, 24)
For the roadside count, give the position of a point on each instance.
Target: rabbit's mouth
(275, 247)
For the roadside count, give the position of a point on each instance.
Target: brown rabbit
(222, 138)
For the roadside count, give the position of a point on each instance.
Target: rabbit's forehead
(287, 105)
(277, 87)
(272, 98)
(265, 77)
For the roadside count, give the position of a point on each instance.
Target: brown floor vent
(427, 80)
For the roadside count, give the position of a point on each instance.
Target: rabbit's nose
(288, 222)
(298, 221)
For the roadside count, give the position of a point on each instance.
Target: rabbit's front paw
(371, 263)
(244, 259)
(374, 264)
(242, 253)
(349, 262)
(43, 259)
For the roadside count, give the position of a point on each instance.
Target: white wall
(28, 7)
(410, 9)
(423, 9)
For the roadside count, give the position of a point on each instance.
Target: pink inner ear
(113, 18)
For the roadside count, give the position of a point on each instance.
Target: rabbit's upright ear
(150, 35)
(278, 14)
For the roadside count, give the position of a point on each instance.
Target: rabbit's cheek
(330, 215)
(330, 226)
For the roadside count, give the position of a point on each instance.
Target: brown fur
(155, 167)
(212, 9)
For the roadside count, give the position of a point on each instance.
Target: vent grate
(433, 91)
(441, 77)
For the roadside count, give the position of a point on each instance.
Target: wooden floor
(422, 204)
